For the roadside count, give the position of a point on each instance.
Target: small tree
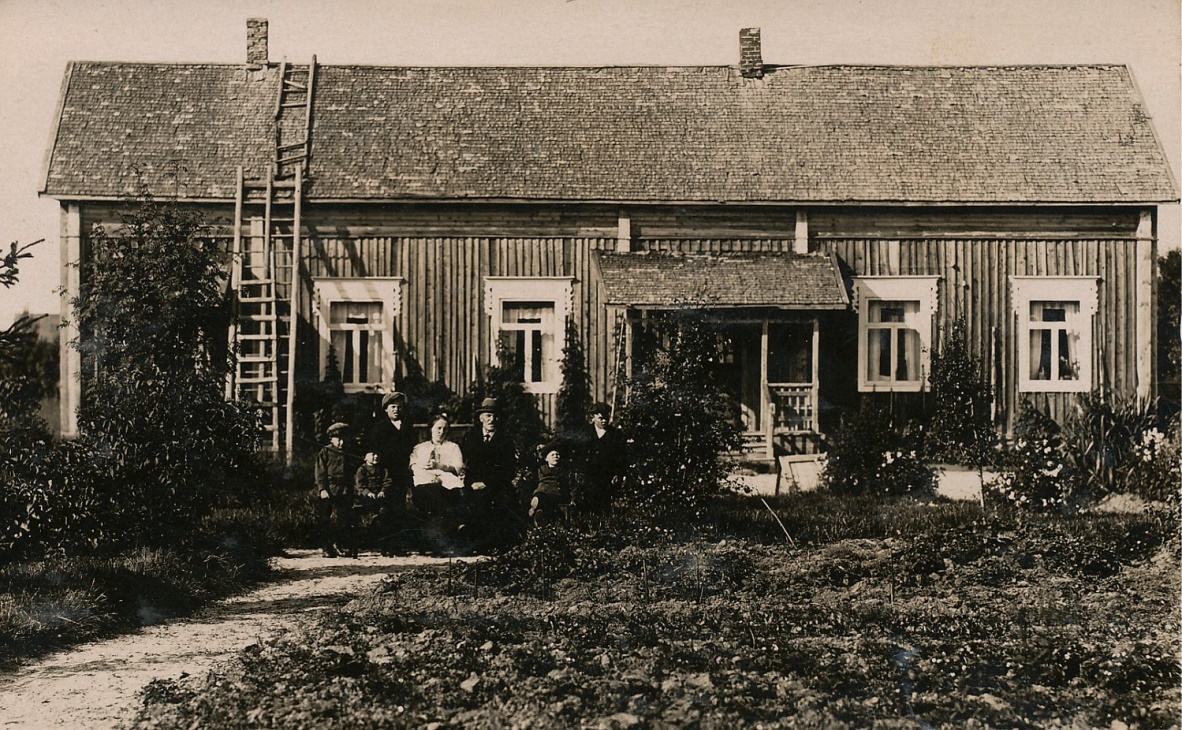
(679, 417)
(27, 372)
(574, 397)
(12, 335)
(151, 316)
(960, 428)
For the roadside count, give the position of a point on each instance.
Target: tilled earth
(985, 626)
(98, 685)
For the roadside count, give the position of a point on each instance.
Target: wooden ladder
(619, 355)
(265, 279)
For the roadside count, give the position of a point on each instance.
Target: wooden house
(838, 218)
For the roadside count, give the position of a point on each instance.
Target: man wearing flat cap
(491, 465)
(392, 438)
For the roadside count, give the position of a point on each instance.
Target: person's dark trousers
(326, 527)
(436, 506)
(551, 508)
(338, 525)
(395, 528)
(344, 520)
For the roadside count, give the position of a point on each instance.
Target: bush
(1101, 440)
(1156, 472)
(680, 420)
(152, 318)
(869, 454)
(959, 430)
(1038, 476)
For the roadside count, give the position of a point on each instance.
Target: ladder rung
(292, 146)
(255, 282)
(293, 104)
(296, 85)
(262, 184)
(259, 379)
(289, 160)
(255, 337)
(260, 318)
(256, 300)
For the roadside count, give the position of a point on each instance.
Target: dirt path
(95, 685)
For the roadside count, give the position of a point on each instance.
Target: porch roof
(786, 281)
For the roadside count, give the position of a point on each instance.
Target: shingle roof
(722, 280)
(799, 134)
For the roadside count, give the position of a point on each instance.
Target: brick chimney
(750, 53)
(256, 41)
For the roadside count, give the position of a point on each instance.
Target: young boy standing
(334, 492)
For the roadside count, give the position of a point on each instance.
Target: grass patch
(887, 612)
(56, 601)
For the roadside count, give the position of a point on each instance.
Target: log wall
(444, 252)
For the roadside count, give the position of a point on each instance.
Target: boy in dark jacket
(552, 495)
(334, 492)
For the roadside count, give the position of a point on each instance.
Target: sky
(38, 38)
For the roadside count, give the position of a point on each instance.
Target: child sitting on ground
(370, 481)
(552, 495)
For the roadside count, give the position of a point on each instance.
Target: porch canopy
(665, 280)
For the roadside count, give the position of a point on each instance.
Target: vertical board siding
(974, 284)
(443, 327)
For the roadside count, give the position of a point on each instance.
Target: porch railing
(794, 407)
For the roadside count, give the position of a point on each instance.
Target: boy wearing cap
(552, 495)
(334, 492)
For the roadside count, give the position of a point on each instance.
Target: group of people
(458, 497)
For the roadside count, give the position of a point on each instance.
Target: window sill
(891, 387)
(1072, 386)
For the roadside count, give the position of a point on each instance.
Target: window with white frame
(356, 320)
(529, 327)
(894, 331)
(1054, 316)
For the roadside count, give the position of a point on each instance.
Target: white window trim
(897, 289)
(1082, 289)
(560, 290)
(384, 289)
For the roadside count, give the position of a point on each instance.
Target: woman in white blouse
(438, 470)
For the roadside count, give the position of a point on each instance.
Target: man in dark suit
(604, 461)
(392, 438)
(490, 462)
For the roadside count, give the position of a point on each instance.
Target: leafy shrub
(1156, 472)
(959, 429)
(151, 313)
(680, 420)
(1101, 440)
(870, 455)
(1037, 476)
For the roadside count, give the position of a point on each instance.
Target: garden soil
(96, 685)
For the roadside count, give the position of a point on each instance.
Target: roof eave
(57, 120)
